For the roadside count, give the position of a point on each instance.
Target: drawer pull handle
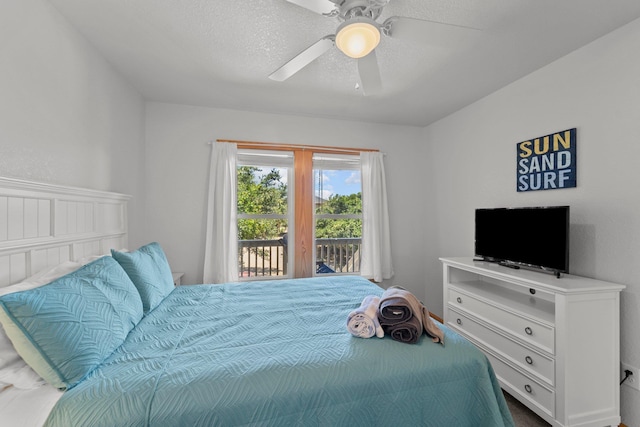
(527, 388)
(459, 300)
(528, 331)
(459, 321)
(529, 360)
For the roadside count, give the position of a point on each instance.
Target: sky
(337, 182)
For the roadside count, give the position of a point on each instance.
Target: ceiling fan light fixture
(357, 37)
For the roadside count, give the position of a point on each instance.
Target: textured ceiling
(220, 53)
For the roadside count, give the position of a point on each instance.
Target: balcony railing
(339, 255)
(264, 258)
(258, 258)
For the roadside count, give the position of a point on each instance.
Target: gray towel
(405, 318)
(408, 331)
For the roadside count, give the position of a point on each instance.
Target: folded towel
(405, 318)
(363, 321)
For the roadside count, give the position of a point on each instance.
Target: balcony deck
(268, 258)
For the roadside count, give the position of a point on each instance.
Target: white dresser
(554, 343)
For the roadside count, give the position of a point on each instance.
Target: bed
(273, 352)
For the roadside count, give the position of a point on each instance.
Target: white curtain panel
(376, 239)
(221, 248)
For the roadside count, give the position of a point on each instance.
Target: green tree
(335, 228)
(265, 194)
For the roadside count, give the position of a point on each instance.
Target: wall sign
(547, 162)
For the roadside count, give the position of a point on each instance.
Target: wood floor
(523, 416)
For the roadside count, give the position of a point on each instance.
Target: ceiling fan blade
(369, 72)
(303, 59)
(322, 7)
(430, 32)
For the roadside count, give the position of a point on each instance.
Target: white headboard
(43, 225)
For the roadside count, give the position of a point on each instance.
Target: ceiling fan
(358, 35)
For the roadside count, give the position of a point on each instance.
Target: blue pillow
(150, 273)
(66, 328)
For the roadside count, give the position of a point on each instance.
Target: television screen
(534, 237)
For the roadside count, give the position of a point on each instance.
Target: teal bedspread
(277, 353)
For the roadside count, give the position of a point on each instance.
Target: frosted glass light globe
(357, 37)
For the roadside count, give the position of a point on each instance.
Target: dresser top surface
(567, 283)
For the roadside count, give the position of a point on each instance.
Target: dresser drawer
(536, 364)
(523, 386)
(535, 333)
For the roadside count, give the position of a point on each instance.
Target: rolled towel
(363, 321)
(407, 332)
(399, 307)
(396, 307)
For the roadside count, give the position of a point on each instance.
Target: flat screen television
(532, 237)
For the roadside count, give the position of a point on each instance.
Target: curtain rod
(288, 147)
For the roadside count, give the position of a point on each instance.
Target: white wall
(65, 116)
(595, 89)
(178, 167)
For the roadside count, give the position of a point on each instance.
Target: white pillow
(13, 369)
